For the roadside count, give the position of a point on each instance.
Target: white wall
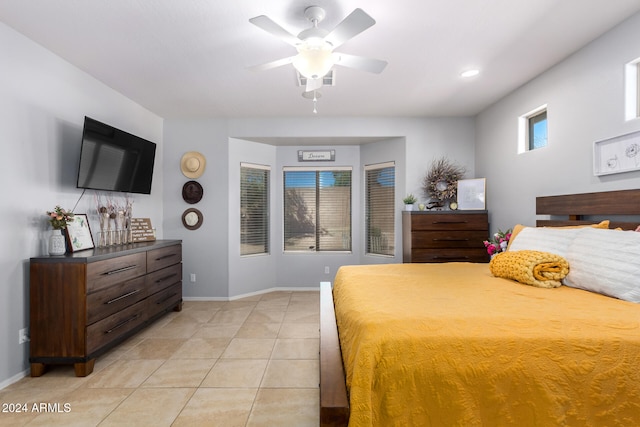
(212, 251)
(308, 269)
(205, 251)
(585, 101)
(43, 101)
(390, 150)
(250, 274)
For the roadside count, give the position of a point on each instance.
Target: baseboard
(14, 379)
(253, 294)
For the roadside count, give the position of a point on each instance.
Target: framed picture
(79, 234)
(617, 155)
(471, 194)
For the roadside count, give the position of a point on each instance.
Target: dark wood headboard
(575, 207)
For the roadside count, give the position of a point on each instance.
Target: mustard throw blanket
(541, 269)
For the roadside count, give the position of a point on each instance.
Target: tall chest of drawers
(85, 303)
(444, 236)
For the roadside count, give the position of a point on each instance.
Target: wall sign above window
(317, 156)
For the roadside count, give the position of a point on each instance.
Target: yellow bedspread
(451, 345)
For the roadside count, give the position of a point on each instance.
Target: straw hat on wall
(192, 164)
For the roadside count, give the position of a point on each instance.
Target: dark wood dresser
(444, 236)
(85, 303)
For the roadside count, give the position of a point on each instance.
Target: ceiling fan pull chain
(315, 103)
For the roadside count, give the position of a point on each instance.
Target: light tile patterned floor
(251, 362)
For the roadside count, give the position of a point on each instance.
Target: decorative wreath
(441, 182)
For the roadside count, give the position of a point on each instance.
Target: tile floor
(250, 362)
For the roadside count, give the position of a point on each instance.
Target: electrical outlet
(192, 277)
(23, 335)
(326, 270)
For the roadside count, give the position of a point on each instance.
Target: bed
(451, 344)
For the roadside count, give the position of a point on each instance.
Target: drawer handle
(450, 257)
(450, 239)
(123, 296)
(167, 298)
(120, 325)
(450, 222)
(162, 279)
(120, 270)
(165, 257)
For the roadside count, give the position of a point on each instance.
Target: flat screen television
(114, 160)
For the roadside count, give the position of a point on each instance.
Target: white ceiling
(188, 58)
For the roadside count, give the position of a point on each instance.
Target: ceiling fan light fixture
(314, 61)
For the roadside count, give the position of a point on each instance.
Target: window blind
(317, 209)
(380, 209)
(254, 209)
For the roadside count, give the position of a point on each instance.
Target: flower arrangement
(59, 218)
(498, 243)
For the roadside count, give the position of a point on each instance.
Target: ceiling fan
(316, 55)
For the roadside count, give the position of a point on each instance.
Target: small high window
(632, 90)
(538, 130)
(533, 130)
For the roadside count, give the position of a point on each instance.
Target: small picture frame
(79, 233)
(471, 194)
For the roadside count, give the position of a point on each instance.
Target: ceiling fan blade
(313, 84)
(265, 23)
(360, 63)
(351, 26)
(272, 64)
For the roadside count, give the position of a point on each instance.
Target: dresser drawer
(107, 330)
(165, 299)
(429, 222)
(164, 257)
(109, 272)
(160, 279)
(103, 303)
(449, 255)
(448, 239)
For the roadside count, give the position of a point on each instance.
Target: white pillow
(606, 262)
(544, 239)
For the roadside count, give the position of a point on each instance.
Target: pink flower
(498, 242)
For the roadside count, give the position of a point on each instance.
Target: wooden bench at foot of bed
(334, 403)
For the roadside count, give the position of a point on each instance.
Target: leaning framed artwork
(617, 155)
(79, 234)
(471, 194)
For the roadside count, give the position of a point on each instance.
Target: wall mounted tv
(114, 160)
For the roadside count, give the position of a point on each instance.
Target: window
(632, 90)
(254, 209)
(317, 209)
(380, 209)
(532, 130)
(538, 130)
